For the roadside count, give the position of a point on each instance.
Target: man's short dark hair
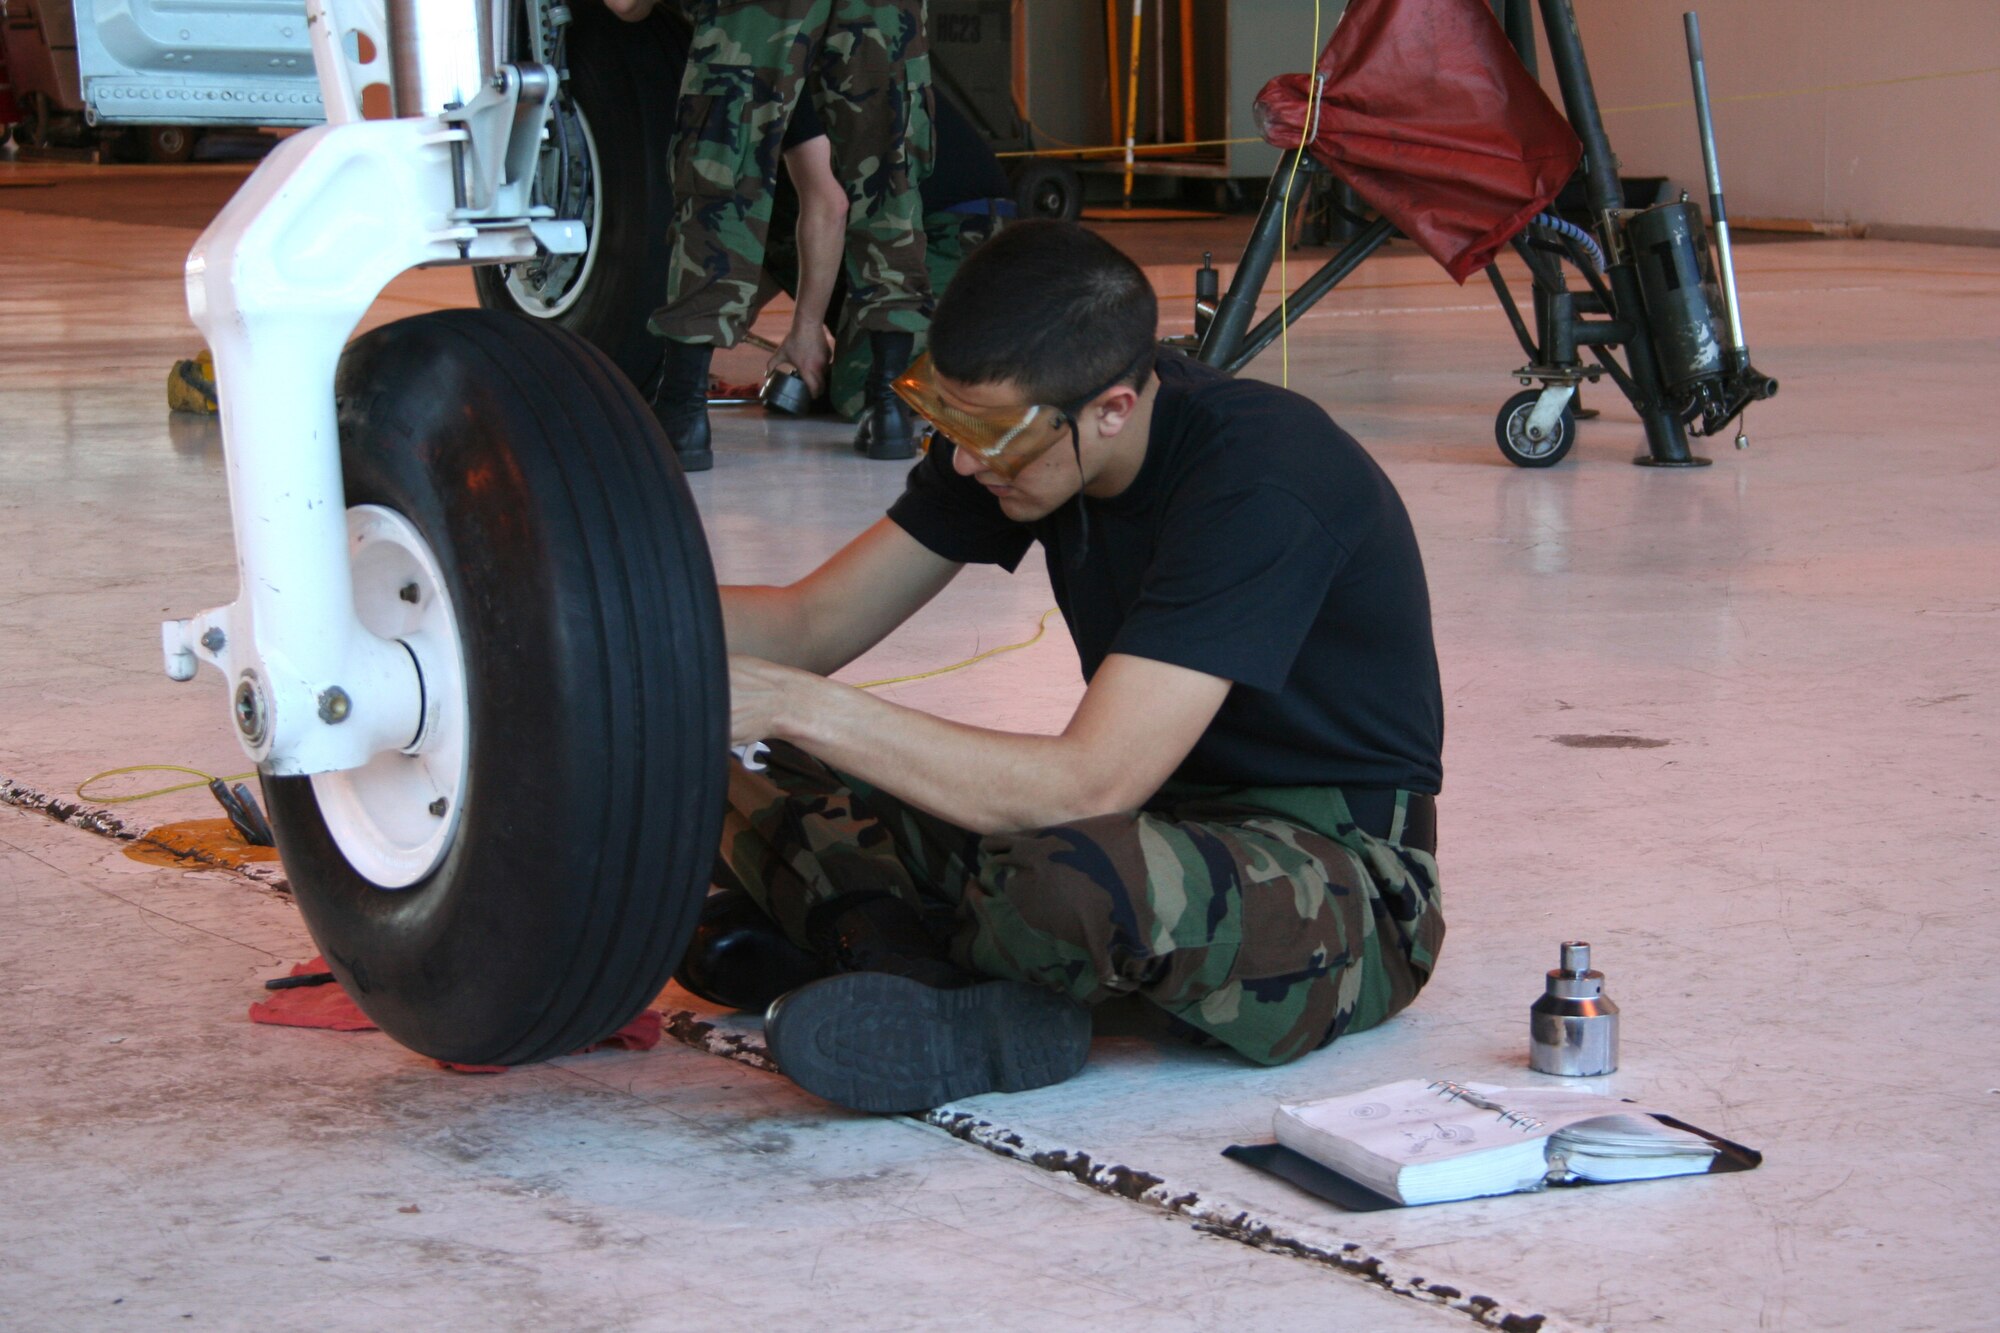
(1050, 306)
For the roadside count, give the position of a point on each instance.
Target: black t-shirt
(1258, 543)
(963, 167)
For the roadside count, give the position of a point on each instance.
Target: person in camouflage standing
(966, 196)
(866, 65)
(1237, 824)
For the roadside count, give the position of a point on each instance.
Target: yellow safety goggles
(1004, 439)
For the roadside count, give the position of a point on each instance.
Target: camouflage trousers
(867, 65)
(1263, 918)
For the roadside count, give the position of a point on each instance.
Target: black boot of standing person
(888, 428)
(680, 402)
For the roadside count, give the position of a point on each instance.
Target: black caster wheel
(605, 163)
(1044, 189)
(1510, 431)
(524, 879)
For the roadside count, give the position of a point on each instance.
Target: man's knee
(1062, 905)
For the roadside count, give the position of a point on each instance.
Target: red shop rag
(1428, 113)
(330, 1007)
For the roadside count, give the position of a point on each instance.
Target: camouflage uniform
(870, 68)
(1263, 918)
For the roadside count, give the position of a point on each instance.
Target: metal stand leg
(1666, 439)
(1229, 342)
(1224, 338)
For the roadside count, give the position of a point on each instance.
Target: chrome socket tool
(1573, 1027)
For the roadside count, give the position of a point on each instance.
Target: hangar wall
(1918, 160)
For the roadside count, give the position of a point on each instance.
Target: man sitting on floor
(1237, 823)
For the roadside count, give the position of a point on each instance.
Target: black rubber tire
(1508, 432)
(622, 79)
(1048, 190)
(597, 696)
(34, 130)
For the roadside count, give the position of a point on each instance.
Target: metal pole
(1188, 128)
(1739, 356)
(1518, 18)
(1319, 284)
(1580, 101)
(1232, 318)
(1132, 96)
(439, 53)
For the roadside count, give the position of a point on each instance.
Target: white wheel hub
(549, 287)
(394, 817)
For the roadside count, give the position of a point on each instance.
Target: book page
(1400, 1123)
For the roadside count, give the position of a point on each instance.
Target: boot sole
(873, 1041)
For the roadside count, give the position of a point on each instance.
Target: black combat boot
(739, 958)
(680, 402)
(888, 428)
(912, 1031)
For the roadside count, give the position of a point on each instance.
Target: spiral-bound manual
(1428, 1141)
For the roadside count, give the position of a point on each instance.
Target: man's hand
(804, 350)
(632, 11)
(1137, 721)
(762, 695)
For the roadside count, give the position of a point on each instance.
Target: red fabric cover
(328, 1006)
(1432, 118)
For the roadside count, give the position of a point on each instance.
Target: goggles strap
(1075, 560)
(1070, 414)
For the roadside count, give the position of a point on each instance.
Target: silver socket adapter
(1573, 1027)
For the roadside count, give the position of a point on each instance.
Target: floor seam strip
(1216, 1217)
(96, 819)
(1211, 1216)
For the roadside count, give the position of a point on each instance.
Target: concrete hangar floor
(1733, 726)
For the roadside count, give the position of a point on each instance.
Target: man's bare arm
(840, 610)
(822, 238)
(1135, 724)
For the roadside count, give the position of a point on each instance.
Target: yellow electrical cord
(205, 779)
(1079, 150)
(1041, 628)
(1285, 209)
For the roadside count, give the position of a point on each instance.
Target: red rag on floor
(1432, 118)
(328, 1006)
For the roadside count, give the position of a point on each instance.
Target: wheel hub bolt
(249, 709)
(334, 705)
(408, 592)
(439, 806)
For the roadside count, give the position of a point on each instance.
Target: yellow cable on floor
(1041, 628)
(206, 778)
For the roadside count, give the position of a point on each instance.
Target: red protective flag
(1432, 118)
